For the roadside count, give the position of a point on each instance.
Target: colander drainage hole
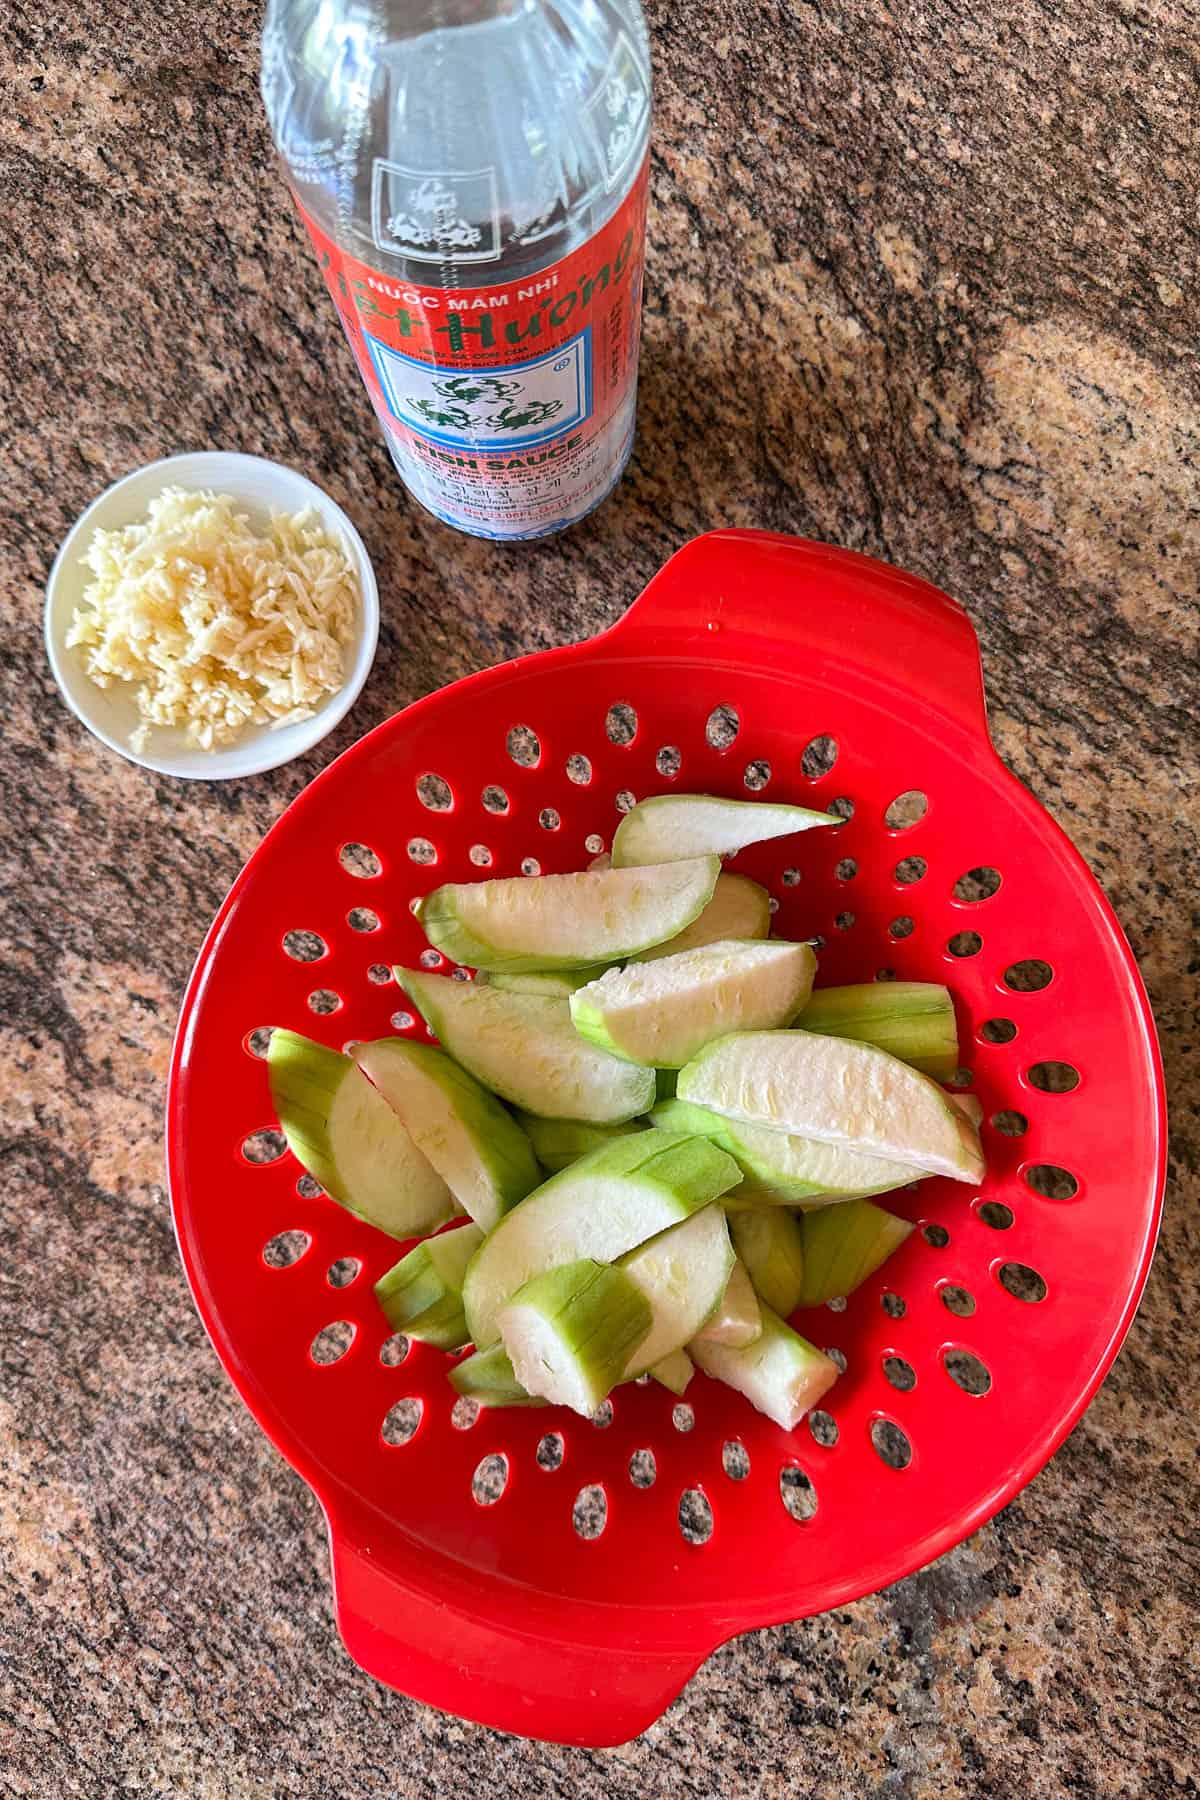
(824, 1428)
(820, 754)
(626, 800)
(402, 1421)
(1010, 1124)
(593, 843)
(402, 1021)
(549, 818)
(695, 1516)
(722, 726)
(589, 1515)
(341, 1273)
(839, 1357)
(847, 869)
(602, 1418)
(530, 865)
(899, 1373)
(965, 943)
(903, 926)
(1029, 976)
(997, 1031)
(757, 775)
(791, 878)
(798, 1494)
(362, 918)
(967, 1371)
(309, 1188)
(421, 850)
(1054, 1077)
(265, 1146)
(550, 1451)
(977, 884)
(394, 1350)
(936, 1236)
(682, 1416)
(464, 1413)
(995, 1214)
(305, 946)
(332, 1342)
(494, 799)
(286, 1248)
(841, 808)
(579, 769)
(906, 810)
(490, 1479)
(433, 791)
(910, 869)
(643, 1470)
(524, 746)
(480, 856)
(669, 761)
(324, 1001)
(893, 1305)
(735, 1460)
(360, 861)
(429, 959)
(620, 724)
(1022, 1282)
(958, 1300)
(258, 1042)
(1051, 1182)
(891, 1445)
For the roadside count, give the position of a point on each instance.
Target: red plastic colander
(561, 1578)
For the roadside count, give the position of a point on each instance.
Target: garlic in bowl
(212, 615)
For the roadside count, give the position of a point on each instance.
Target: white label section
(514, 407)
(523, 495)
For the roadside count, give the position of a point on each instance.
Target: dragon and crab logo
(484, 404)
(506, 408)
(435, 217)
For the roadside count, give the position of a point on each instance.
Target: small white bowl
(111, 713)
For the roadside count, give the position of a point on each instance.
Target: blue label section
(504, 408)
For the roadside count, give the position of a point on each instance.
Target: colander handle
(509, 1678)
(756, 596)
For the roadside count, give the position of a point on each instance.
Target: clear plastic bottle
(472, 174)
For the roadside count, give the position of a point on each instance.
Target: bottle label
(508, 409)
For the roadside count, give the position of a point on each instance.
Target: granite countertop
(922, 284)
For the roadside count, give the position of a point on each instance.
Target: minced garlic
(220, 627)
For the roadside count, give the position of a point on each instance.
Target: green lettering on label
(514, 332)
(457, 330)
(590, 283)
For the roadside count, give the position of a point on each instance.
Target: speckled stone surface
(923, 283)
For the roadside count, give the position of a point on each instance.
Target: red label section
(508, 409)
